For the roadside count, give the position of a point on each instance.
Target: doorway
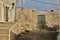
(40, 21)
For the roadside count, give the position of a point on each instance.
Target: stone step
(4, 34)
(4, 31)
(4, 38)
(6, 25)
(4, 28)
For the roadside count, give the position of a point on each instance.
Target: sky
(37, 5)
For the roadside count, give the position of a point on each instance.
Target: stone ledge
(4, 38)
(4, 34)
(4, 31)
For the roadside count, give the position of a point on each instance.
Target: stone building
(50, 17)
(17, 20)
(6, 18)
(6, 8)
(29, 19)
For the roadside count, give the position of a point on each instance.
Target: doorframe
(41, 18)
(35, 19)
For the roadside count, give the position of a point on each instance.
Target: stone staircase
(4, 30)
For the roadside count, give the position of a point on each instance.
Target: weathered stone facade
(6, 18)
(51, 16)
(6, 8)
(26, 19)
(20, 19)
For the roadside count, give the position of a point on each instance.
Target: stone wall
(52, 17)
(25, 16)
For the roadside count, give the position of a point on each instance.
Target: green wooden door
(40, 21)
